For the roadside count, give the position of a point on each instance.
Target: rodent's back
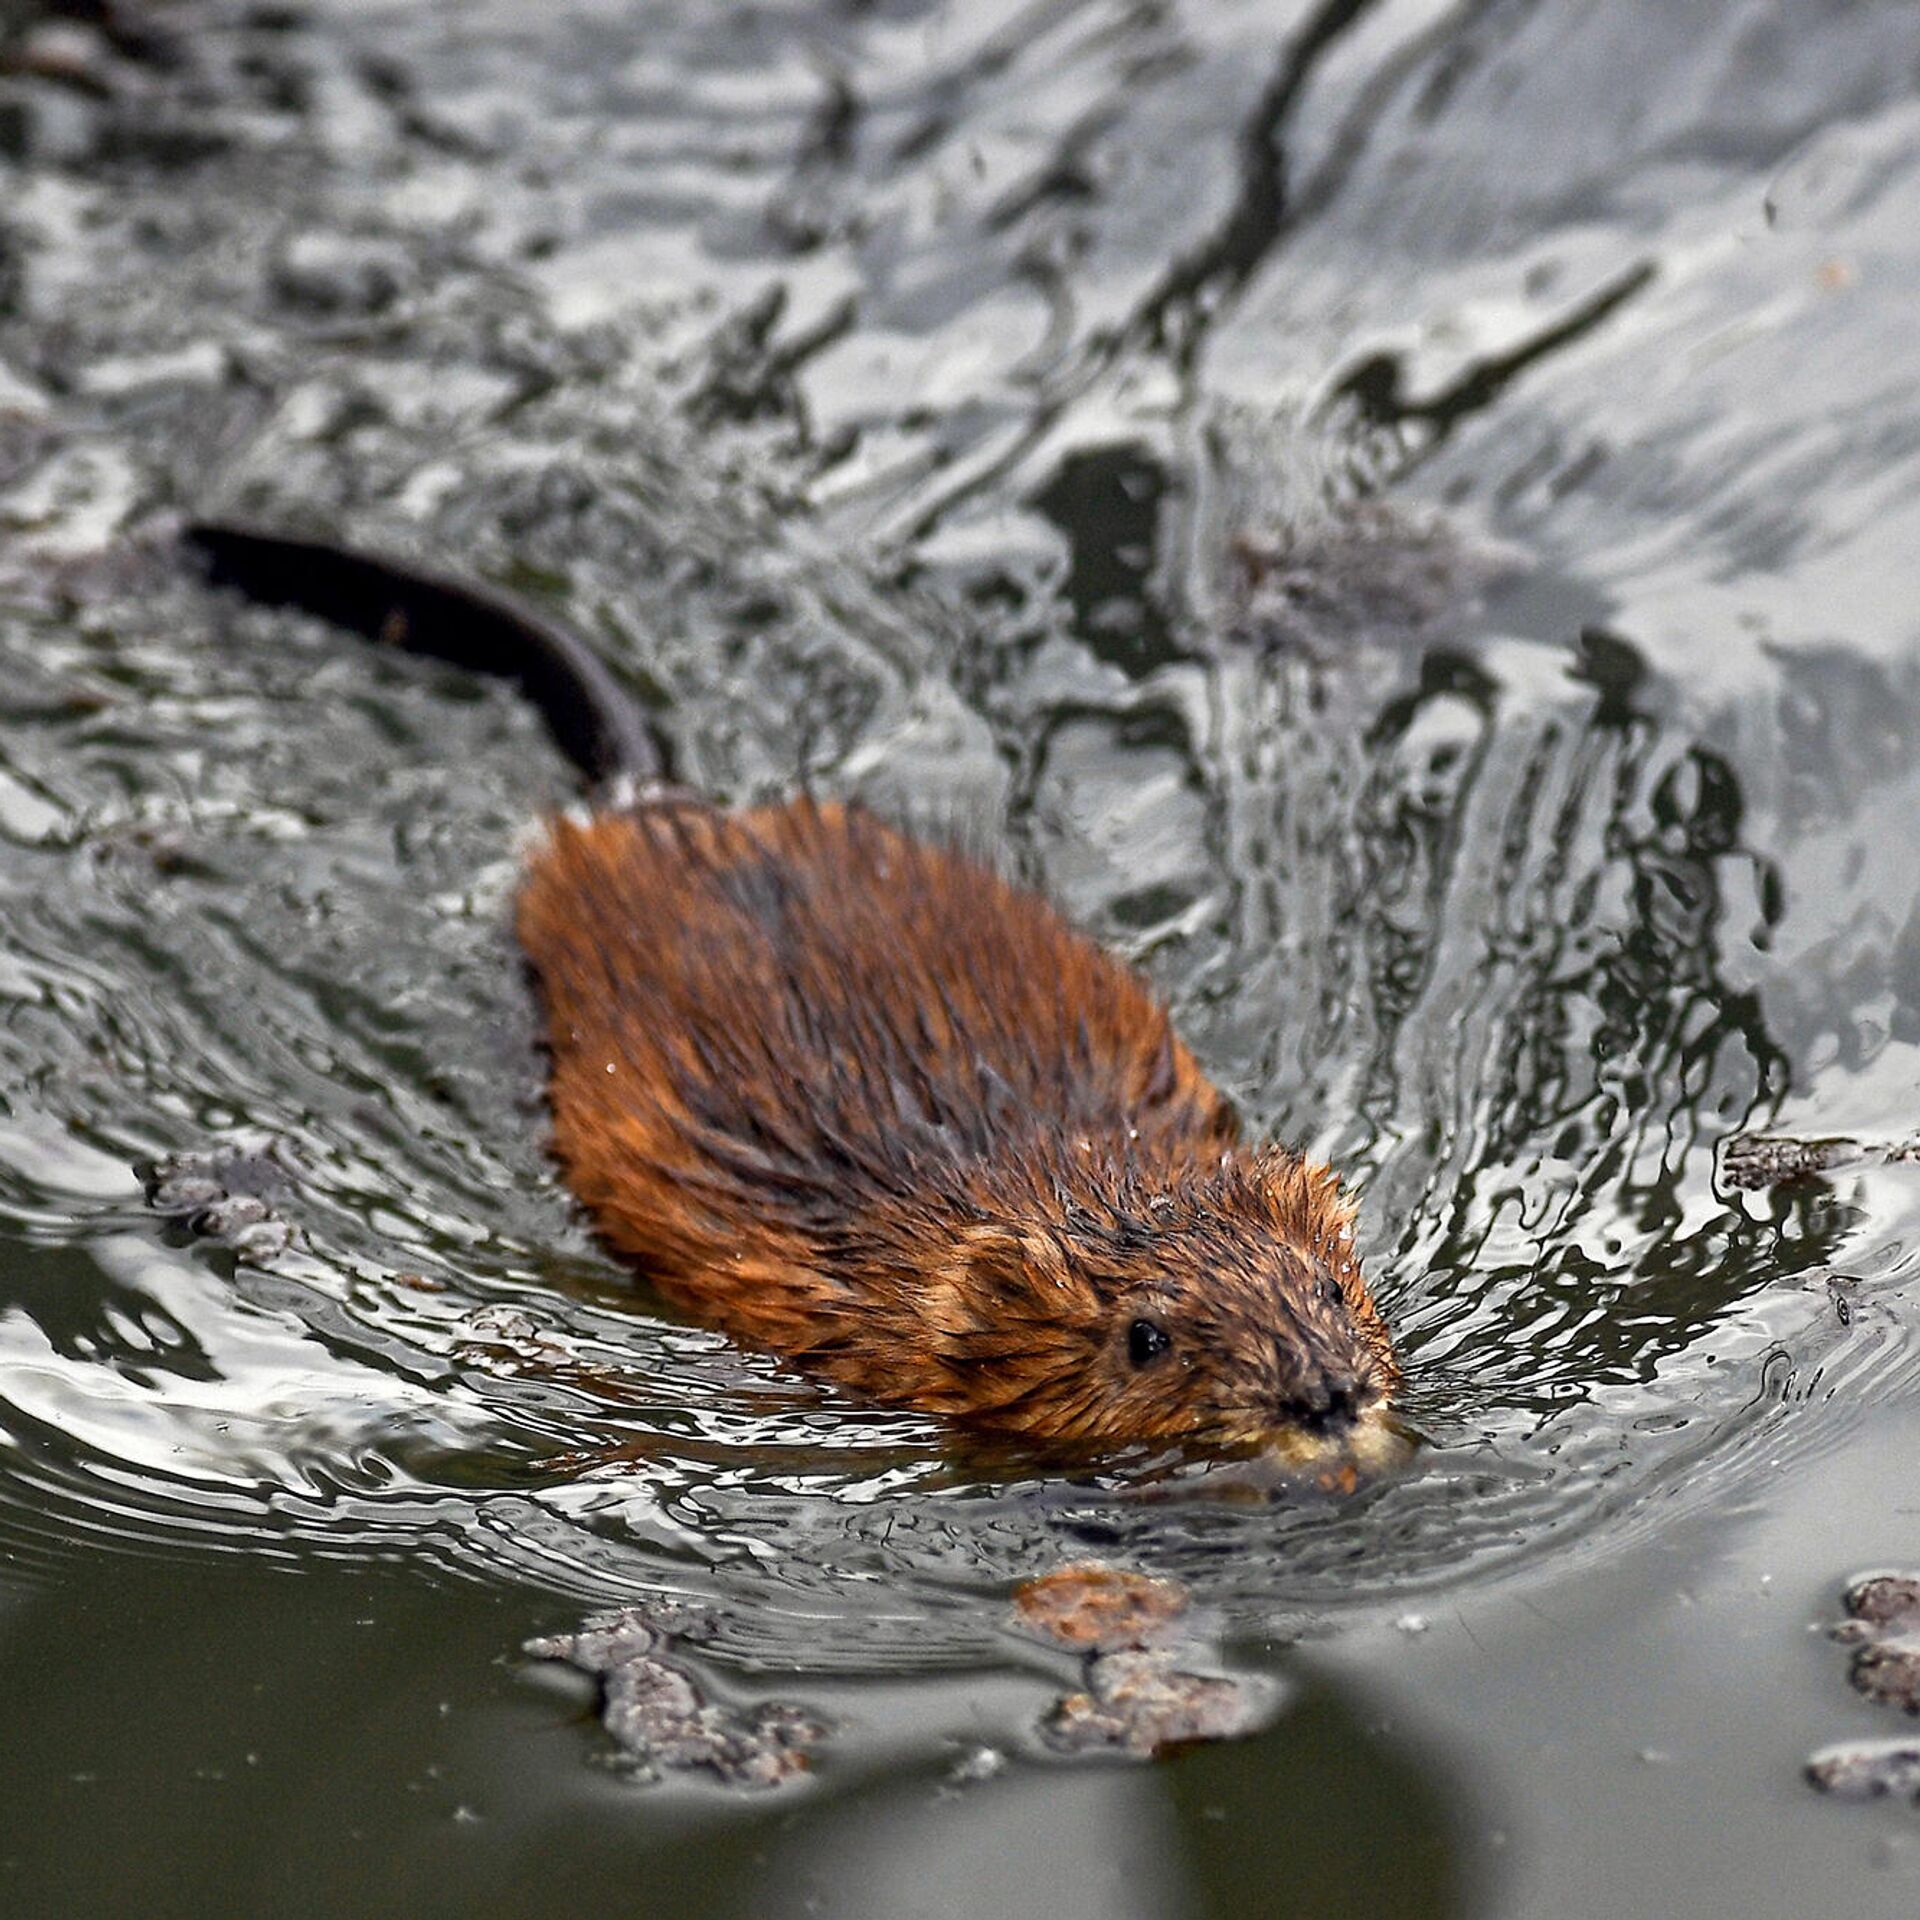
(767, 1024)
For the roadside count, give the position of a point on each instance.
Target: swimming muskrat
(857, 1099)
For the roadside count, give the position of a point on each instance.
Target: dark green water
(1406, 518)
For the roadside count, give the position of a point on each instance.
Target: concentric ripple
(1505, 816)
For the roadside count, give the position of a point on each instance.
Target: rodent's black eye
(1146, 1341)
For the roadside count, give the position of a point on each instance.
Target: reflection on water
(471, 1780)
(1415, 546)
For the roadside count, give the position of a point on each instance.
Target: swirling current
(1379, 571)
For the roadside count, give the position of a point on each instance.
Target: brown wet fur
(856, 1099)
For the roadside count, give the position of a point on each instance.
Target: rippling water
(1415, 549)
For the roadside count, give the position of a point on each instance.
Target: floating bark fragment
(658, 1716)
(1753, 1162)
(1138, 1702)
(1135, 1698)
(1099, 1607)
(226, 1197)
(1883, 1624)
(1868, 1769)
(1883, 1600)
(1325, 581)
(1883, 1628)
(1889, 1671)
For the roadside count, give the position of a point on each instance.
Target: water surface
(1405, 518)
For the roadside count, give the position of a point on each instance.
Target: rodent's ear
(1309, 1209)
(1014, 1272)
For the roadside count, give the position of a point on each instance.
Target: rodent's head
(1221, 1312)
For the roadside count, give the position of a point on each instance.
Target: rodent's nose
(1330, 1406)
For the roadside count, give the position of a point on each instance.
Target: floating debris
(1868, 1769)
(1883, 1628)
(660, 1719)
(1136, 1698)
(227, 1197)
(1881, 1600)
(1328, 579)
(1099, 1607)
(1140, 1703)
(1883, 1624)
(1753, 1162)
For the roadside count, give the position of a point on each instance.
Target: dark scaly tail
(593, 720)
